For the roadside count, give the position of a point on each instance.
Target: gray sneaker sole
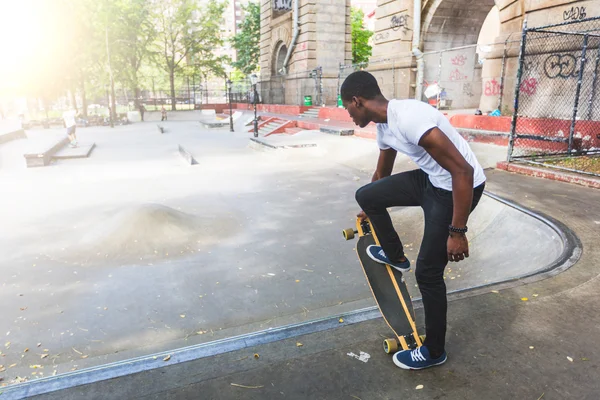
(403, 366)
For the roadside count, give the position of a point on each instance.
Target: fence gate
(556, 119)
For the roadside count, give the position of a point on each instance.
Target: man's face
(357, 111)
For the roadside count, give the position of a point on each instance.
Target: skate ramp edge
(568, 256)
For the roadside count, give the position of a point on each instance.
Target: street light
(254, 81)
(230, 111)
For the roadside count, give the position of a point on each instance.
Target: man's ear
(356, 101)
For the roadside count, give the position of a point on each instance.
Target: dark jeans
(413, 188)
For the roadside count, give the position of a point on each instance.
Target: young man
(163, 113)
(71, 125)
(447, 187)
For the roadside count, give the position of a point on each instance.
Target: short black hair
(360, 83)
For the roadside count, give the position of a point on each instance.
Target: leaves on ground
(246, 387)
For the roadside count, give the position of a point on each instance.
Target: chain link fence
(451, 78)
(294, 88)
(390, 73)
(556, 120)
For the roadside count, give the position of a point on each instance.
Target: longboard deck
(390, 292)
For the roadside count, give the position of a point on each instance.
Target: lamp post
(230, 110)
(254, 81)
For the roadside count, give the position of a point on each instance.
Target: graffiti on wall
(282, 5)
(381, 36)
(561, 66)
(399, 21)
(529, 86)
(491, 88)
(457, 75)
(459, 60)
(574, 13)
(467, 89)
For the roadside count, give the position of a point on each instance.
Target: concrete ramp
(508, 243)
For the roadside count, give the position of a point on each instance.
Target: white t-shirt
(408, 120)
(69, 118)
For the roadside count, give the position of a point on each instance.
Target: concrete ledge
(14, 135)
(548, 173)
(259, 144)
(187, 156)
(484, 136)
(214, 124)
(43, 158)
(76, 152)
(333, 130)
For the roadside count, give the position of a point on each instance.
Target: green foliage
(247, 41)
(361, 50)
(186, 31)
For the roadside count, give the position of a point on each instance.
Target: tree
(247, 42)
(361, 50)
(188, 32)
(135, 31)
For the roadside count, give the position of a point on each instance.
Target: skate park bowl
(509, 245)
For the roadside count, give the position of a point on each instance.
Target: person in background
(71, 125)
(142, 111)
(163, 113)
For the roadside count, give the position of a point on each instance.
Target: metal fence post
(502, 72)
(513, 124)
(439, 79)
(578, 92)
(339, 79)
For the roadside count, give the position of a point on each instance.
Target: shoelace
(416, 355)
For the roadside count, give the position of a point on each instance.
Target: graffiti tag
(491, 88)
(381, 36)
(399, 21)
(529, 86)
(460, 59)
(456, 75)
(574, 13)
(561, 66)
(282, 5)
(467, 89)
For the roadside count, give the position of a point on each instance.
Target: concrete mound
(146, 232)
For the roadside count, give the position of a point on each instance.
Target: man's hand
(458, 247)
(362, 216)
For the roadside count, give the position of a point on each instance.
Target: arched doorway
(453, 59)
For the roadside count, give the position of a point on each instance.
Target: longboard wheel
(348, 233)
(390, 346)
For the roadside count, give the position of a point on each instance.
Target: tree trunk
(83, 98)
(113, 105)
(172, 81)
(73, 99)
(137, 93)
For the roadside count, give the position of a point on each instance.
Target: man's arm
(442, 150)
(385, 164)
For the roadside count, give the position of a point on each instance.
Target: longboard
(389, 290)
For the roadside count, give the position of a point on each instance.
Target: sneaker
(417, 359)
(376, 253)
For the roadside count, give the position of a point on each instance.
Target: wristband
(458, 230)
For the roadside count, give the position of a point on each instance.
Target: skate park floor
(235, 251)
